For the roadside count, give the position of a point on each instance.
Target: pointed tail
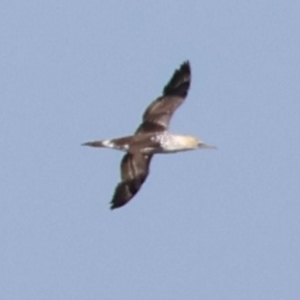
(99, 144)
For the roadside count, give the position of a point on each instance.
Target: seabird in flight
(151, 137)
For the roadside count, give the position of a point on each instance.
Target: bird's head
(188, 142)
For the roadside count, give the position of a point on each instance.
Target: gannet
(151, 137)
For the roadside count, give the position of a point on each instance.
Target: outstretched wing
(157, 116)
(134, 171)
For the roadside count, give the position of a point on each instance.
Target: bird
(151, 137)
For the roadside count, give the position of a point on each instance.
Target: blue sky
(207, 224)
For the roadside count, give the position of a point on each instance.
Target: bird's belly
(160, 149)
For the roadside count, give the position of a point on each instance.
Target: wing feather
(158, 114)
(134, 171)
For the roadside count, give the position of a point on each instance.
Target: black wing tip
(121, 196)
(186, 65)
(180, 82)
(116, 203)
(114, 206)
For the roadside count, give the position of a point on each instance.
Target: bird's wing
(134, 171)
(158, 114)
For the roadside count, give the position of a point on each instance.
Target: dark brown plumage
(151, 137)
(158, 114)
(156, 118)
(134, 171)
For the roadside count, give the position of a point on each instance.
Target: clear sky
(207, 224)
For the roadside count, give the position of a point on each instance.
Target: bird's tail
(122, 143)
(100, 144)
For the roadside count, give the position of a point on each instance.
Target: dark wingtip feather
(115, 204)
(180, 81)
(122, 195)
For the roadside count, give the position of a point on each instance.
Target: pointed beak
(202, 145)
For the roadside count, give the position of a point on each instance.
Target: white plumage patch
(108, 143)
